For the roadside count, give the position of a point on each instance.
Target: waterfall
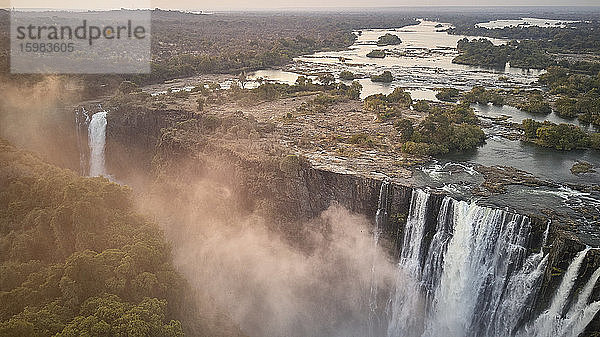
(486, 248)
(546, 232)
(407, 302)
(477, 277)
(554, 321)
(381, 217)
(97, 140)
(432, 270)
(81, 119)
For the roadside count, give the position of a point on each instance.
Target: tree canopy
(76, 259)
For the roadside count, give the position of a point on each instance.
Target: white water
(81, 119)
(407, 302)
(475, 277)
(97, 141)
(554, 322)
(380, 221)
(546, 232)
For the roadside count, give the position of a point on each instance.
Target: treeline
(562, 136)
(482, 52)
(444, 129)
(187, 44)
(76, 260)
(579, 37)
(578, 94)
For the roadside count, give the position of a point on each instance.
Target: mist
(267, 285)
(36, 116)
(316, 286)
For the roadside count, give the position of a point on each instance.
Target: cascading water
(97, 140)
(381, 218)
(407, 302)
(82, 119)
(476, 277)
(554, 321)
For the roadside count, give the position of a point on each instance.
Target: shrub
(347, 75)
(376, 54)
(558, 136)
(200, 104)
(361, 139)
(385, 77)
(353, 92)
(536, 104)
(405, 127)
(421, 106)
(566, 107)
(447, 94)
(388, 39)
(482, 96)
(400, 97)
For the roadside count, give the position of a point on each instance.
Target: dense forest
(184, 44)
(76, 259)
(559, 136)
(482, 52)
(581, 37)
(579, 94)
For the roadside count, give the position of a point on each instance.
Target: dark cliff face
(289, 191)
(562, 248)
(132, 152)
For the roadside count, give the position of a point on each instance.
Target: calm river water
(423, 62)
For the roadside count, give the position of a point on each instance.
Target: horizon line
(300, 8)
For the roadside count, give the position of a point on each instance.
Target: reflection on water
(517, 116)
(544, 163)
(422, 62)
(275, 75)
(525, 22)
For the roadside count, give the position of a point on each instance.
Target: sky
(264, 4)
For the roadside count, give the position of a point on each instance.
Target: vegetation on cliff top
(451, 128)
(579, 94)
(442, 131)
(559, 136)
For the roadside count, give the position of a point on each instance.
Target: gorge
(460, 268)
(283, 202)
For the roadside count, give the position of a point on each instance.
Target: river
(423, 62)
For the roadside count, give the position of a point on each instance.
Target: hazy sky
(258, 4)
